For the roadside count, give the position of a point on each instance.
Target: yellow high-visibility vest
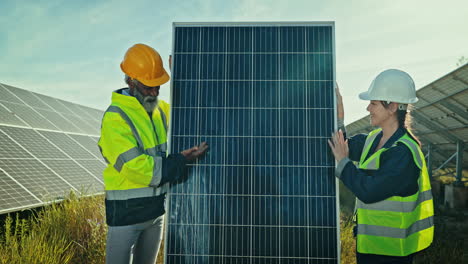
(396, 226)
(133, 144)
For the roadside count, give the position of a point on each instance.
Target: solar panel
(262, 95)
(55, 104)
(58, 120)
(88, 127)
(7, 96)
(14, 195)
(37, 178)
(68, 145)
(33, 142)
(8, 117)
(28, 98)
(10, 149)
(88, 143)
(46, 151)
(76, 175)
(96, 167)
(31, 117)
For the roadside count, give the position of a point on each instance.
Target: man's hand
(195, 152)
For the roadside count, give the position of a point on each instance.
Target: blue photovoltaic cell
(262, 96)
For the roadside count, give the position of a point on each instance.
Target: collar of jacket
(128, 101)
(396, 135)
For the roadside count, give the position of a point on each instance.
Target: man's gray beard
(148, 102)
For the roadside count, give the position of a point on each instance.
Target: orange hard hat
(144, 63)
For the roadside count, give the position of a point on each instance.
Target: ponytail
(404, 120)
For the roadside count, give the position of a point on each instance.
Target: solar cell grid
(6, 95)
(67, 145)
(58, 120)
(87, 126)
(34, 142)
(77, 110)
(262, 96)
(37, 178)
(88, 143)
(28, 98)
(8, 117)
(96, 167)
(68, 106)
(95, 124)
(10, 149)
(30, 116)
(75, 175)
(93, 114)
(12, 195)
(54, 104)
(37, 165)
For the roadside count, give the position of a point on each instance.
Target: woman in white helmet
(394, 202)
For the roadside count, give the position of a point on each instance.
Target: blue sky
(72, 49)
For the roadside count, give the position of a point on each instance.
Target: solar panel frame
(213, 152)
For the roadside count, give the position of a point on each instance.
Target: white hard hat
(391, 86)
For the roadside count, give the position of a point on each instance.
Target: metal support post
(429, 160)
(460, 149)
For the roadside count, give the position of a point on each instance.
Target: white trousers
(135, 244)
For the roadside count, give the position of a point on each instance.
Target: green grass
(74, 231)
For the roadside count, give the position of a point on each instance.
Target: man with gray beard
(134, 142)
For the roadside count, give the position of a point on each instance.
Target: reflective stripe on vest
(136, 193)
(368, 144)
(396, 206)
(127, 156)
(116, 109)
(402, 233)
(163, 116)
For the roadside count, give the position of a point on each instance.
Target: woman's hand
(339, 146)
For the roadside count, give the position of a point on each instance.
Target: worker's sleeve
(119, 147)
(174, 168)
(397, 175)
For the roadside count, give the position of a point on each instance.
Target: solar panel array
(48, 148)
(262, 96)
